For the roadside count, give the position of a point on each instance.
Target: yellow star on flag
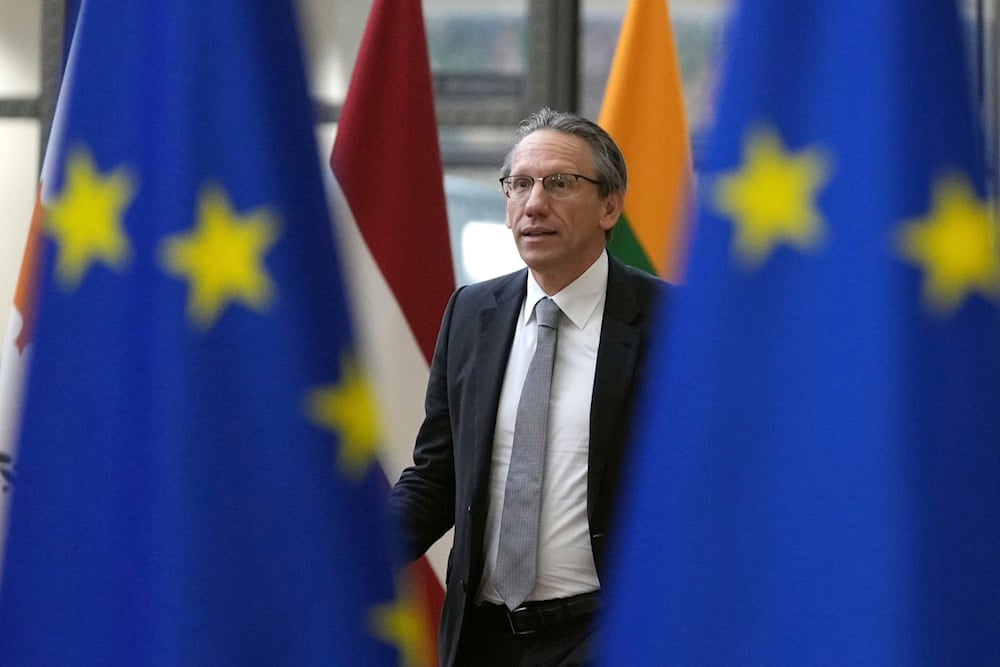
(222, 258)
(771, 198)
(349, 410)
(86, 219)
(403, 625)
(955, 245)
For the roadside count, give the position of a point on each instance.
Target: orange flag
(643, 110)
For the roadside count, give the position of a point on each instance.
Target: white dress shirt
(565, 559)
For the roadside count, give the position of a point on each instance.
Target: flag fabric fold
(195, 475)
(18, 339)
(643, 110)
(389, 196)
(14, 361)
(816, 476)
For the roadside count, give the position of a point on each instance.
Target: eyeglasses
(558, 186)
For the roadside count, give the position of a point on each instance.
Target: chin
(533, 255)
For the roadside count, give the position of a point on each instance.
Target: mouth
(535, 233)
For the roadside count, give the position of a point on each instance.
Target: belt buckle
(513, 626)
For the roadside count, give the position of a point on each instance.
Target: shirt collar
(579, 299)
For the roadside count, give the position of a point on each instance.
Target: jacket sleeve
(421, 505)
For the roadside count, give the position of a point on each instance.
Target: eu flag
(194, 483)
(816, 478)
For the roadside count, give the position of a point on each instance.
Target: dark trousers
(488, 641)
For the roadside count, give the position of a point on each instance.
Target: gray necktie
(518, 550)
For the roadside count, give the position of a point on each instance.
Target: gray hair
(608, 158)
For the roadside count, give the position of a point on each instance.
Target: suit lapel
(617, 352)
(496, 335)
(494, 339)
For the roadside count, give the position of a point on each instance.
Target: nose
(538, 197)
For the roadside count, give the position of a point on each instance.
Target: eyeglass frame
(541, 179)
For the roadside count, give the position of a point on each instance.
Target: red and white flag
(390, 207)
(13, 365)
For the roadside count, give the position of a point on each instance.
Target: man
(564, 180)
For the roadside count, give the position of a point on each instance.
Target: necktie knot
(547, 313)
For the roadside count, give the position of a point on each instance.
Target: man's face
(559, 238)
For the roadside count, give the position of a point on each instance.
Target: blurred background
(492, 61)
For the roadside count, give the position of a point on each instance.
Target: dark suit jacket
(449, 480)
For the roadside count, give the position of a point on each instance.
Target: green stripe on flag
(626, 247)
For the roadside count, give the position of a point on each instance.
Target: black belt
(532, 617)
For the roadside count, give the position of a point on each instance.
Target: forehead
(550, 150)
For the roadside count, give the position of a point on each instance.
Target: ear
(613, 206)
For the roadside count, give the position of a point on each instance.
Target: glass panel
(332, 31)
(698, 26)
(20, 48)
(482, 247)
(477, 49)
(478, 55)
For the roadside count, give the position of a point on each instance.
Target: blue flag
(195, 480)
(816, 476)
